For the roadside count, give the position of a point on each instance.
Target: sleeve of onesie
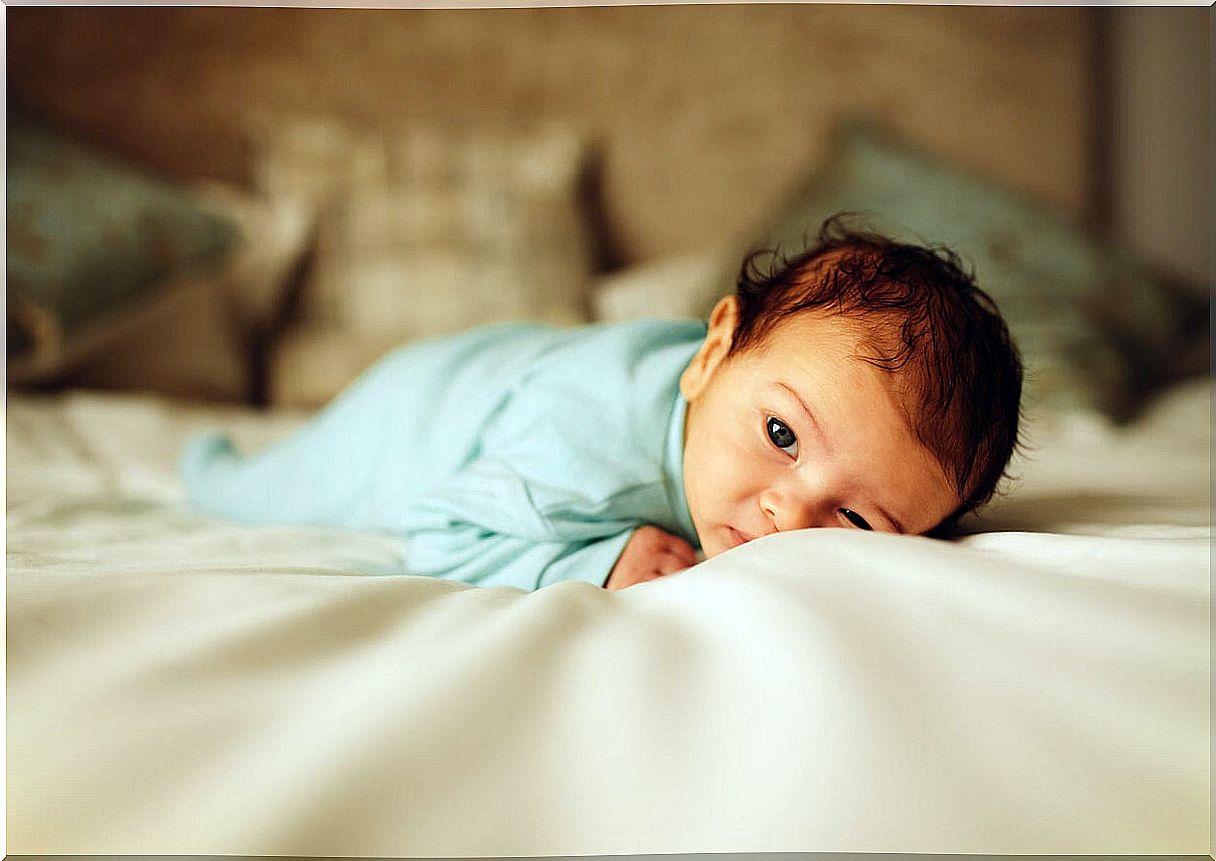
(471, 555)
(491, 526)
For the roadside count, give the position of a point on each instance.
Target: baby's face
(798, 432)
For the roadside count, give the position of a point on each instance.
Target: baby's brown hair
(926, 319)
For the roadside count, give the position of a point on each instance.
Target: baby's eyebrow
(797, 397)
(811, 416)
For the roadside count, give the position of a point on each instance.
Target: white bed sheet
(181, 685)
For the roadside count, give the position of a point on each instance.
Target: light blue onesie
(514, 454)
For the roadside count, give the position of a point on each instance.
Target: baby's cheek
(742, 470)
(721, 473)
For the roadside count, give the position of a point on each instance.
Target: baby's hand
(650, 553)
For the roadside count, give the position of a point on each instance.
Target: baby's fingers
(682, 550)
(670, 561)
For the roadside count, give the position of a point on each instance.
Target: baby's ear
(713, 350)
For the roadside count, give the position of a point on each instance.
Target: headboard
(706, 116)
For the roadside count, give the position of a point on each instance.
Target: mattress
(182, 685)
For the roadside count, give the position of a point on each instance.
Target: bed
(181, 685)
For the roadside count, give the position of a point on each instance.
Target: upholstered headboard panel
(706, 115)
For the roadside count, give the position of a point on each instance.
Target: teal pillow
(1093, 323)
(91, 239)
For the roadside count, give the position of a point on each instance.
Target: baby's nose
(788, 511)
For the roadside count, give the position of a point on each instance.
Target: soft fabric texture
(424, 231)
(93, 243)
(179, 684)
(508, 455)
(1095, 326)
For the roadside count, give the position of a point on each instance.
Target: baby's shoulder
(644, 335)
(595, 409)
(624, 352)
(606, 381)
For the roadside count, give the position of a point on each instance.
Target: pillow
(203, 340)
(278, 229)
(314, 361)
(1093, 323)
(92, 243)
(424, 233)
(670, 288)
(186, 344)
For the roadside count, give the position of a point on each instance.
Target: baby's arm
(650, 553)
(466, 552)
(469, 553)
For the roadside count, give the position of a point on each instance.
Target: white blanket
(182, 685)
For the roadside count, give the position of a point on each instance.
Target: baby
(862, 384)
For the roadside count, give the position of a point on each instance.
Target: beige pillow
(427, 232)
(670, 288)
(278, 228)
(186, 345)
(313, 361)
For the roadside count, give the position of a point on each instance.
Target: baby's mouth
(737, 538)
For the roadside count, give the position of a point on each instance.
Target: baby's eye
(856, 519)
(781, 436)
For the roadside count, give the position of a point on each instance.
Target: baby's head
(864, 383)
